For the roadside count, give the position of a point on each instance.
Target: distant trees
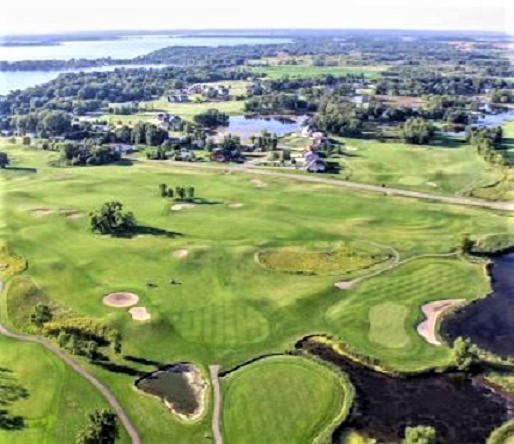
(419, 435)
(417, 131)
(488, 142)
(4, 159)
(212, 118)
(87, 154)
(111, 219)
(181, 194)
(148, 134)
(464, 354)
(102, 428)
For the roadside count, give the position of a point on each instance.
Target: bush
(111, 219)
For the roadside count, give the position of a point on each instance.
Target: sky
(52, 16)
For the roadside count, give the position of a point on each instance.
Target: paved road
(106, 393)
(216, 431)
(387, 191)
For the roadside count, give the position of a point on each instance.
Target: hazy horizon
(55, 17)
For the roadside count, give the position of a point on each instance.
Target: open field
(312, 395)
(301, 71)
(52, 400)
(227, 308)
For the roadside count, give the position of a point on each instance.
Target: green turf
(387, 325)
(228, 308)
(309, 395)
(306, 71)
(51, 399)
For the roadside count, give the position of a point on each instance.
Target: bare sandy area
(120, 299)
(42, 212)
(179, 207)
(180, 254)
(432, 311)
(258, 183)
(139, 314)
(236, 205)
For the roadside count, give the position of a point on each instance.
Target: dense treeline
(488, 142)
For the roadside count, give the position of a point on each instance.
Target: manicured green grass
(52, 400)
(304, 71)
(339, 259)
(308, 395)
(189, 109)
(228, 308)
(388, 307)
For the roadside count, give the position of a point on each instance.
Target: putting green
(387, 325)
(282, 400)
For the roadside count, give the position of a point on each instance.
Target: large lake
(124, 48)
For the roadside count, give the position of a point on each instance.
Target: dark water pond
(173, 387)
(459, 407)
(245, 127)
(488, 322)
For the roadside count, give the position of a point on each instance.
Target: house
(180, 98)
(121, 148)
(313, 163)
(7, 133)
(184, 155)
(100, 128)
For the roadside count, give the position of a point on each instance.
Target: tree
(111, 219)
(102, 428)
(190, 193)
(163, 189)
(91, 350)
(40, 315)
(417, 131)
(464, 354)
(419, 435)
(212, 118)
(4, 160)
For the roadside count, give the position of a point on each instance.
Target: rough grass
(10, 263)
(306, 71)
(342, 259)
(387, 325)
(56, 400)
(310, 396)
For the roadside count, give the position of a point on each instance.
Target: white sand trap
(139, 314)
(180, 254)
(120, 300)
(258, 183)
(345, 285)
(236, 205)
(431, 184)
(432, 311)
(42, 212)
(179, 207)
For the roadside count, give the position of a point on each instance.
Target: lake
(488, 322)
(123, 48)
(244, 127)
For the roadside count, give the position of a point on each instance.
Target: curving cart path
(104, 391)
(214, 370)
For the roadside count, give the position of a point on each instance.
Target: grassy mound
(10, 263)
(342, 260)
(283, 399)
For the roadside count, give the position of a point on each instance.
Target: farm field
(305, 71)
(227, 308)
(313, 395)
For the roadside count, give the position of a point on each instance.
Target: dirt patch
(180, 254)
(71, 214)
(120, 299)
(180, 207)
(236, 205)
(42, 212)
(139, 314)
(181, 387)
(258, 183)
(432, 311)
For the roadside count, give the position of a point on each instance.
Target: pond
(488, 322)
(181, 388)
(461, 408)
(496, 119)
(245, 127)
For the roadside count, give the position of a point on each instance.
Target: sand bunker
(432, 311)
(180, 254)
(179, 207)
(41, 212)
(236, 205)
(71, 214)
(139, 314)
(345, 285)
(120, 300)
(258, 183)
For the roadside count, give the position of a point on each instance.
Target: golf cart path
(213, 370)
(387, 191)
(104, 391)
